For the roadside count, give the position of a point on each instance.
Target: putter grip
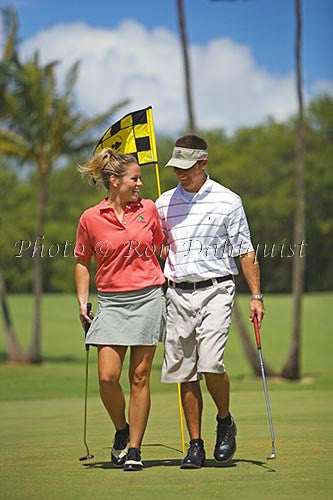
(86, 323)
(256, 331)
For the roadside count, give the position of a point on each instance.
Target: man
(206, 228)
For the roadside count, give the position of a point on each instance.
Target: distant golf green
(41, 417)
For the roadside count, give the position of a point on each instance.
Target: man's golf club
(258, 342)
(88, 456)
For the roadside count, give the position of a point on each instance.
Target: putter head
(272, 456)
(86, 457)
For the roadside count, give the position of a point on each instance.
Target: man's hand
(257, 309)
(251, 273)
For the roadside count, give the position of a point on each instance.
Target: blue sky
(258, 33)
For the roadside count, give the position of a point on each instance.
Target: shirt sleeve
(83, 248)
(238, 230)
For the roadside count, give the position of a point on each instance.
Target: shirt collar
(205, 188)
(131, 206)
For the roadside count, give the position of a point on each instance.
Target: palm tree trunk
(292, 368)
(250, 350)
(15, 353)
(35, 346)
(183, 35)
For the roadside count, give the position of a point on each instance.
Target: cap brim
(180, 163)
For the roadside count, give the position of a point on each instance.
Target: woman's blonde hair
(104, 164)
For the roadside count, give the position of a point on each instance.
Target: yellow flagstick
(181, 420)
(158, 183)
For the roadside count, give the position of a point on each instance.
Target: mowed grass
(41, 414)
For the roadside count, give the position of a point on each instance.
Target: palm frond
(10, 24)
(71, 78)
(12, 144)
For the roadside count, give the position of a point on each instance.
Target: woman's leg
(110, 362)
(139, 374)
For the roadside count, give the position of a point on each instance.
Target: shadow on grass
(176, 462)
(210, 464)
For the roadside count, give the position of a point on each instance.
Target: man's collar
(205, 188)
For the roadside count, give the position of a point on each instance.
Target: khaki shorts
(197, 331)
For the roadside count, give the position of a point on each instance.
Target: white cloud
(322, 87)
(230, 89)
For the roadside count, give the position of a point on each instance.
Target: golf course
(41, 417)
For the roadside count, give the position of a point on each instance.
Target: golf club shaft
(86, 403)
(268, 406)
(86, 328)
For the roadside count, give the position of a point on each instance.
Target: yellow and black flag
(133, 134)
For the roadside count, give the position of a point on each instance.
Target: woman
(122, 232)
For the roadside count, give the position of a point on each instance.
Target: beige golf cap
(185, 158)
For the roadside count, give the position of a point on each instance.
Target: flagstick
(157, 180)
(181, 420)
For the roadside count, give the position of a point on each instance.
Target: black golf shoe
(133, 460)
(225, 440)
(119, 449)
(195, 457)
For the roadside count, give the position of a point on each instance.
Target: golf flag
(133, 134)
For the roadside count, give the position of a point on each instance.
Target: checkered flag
(133, 134)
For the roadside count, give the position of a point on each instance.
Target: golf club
(88, 456)
(258, 342)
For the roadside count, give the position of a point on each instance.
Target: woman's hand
(84, 317)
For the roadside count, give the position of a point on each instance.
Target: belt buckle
(194, 286)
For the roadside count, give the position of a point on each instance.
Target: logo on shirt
(141, 219)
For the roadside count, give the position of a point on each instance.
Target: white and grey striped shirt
(204, 231)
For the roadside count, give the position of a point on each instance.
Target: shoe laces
(194, 450)
(224, 433)
(134, 454)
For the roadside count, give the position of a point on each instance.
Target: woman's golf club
(258, 342)
(88, 456)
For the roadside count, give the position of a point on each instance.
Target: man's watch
(258, 297)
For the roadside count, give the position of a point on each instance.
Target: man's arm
(250, 268)
(82, 280)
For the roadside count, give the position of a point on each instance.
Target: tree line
(256, 162)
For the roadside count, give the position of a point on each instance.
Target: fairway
(42, 411)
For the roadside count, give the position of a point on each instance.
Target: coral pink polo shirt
(123, 251)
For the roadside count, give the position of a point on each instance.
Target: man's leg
(192, 404)
(219, 388)
(180, 364)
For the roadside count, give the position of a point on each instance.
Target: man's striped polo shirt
(205, 231)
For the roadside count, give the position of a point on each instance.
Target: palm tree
(292, 369)
(188, 84)
(38, 126)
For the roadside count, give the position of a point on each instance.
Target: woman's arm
(82, 280)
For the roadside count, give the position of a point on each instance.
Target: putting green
(41, 414)
(41, 442)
